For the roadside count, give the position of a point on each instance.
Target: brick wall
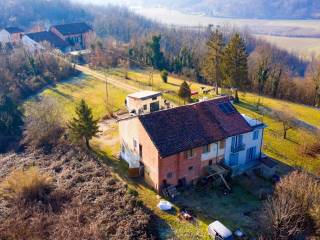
(178, 166)
(150, 158)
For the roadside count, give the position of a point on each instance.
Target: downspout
(261, 142)
(217, 152)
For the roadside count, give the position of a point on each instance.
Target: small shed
(144, 102)
(219, 232)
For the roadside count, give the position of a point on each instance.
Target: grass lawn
(93, 91)
(142, 80)
(307, 114)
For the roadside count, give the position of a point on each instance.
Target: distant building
(77, 35)
(11, 35)
(178, 145)
(37, 41)
(145, 102)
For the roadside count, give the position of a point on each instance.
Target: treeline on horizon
(182, 51)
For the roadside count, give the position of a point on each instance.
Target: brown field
(302, 46)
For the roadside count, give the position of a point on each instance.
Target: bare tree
(314, 75)
(287, 213)
(44, 123)
(286, 118)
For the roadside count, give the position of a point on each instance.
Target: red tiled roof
(182, 128)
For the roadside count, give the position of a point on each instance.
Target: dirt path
(110, 80)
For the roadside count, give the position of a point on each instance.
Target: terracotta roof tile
(182, 128)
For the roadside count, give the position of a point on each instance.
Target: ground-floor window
(169, 175)
(251, 154)
(234, 159)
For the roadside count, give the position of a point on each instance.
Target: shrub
(43, 123)
(310, 145)
(164, 76)
(10, 121)
(185, 91)
(26, 186)
(133, 192)
(292, 208)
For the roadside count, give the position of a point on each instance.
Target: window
(206, 149)
(145, 107)
(189, 153)
(169, 175)
(190, 168)
(234, 157)
(227, 108)
(255, 134)
(154, 98)
(222, 144)
(140, 151)
(236, 141)
(134, 143)
(210, 162)
(251, 154)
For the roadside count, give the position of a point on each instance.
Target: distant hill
(267, 9)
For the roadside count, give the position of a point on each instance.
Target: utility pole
(151, 79)
(107, 90)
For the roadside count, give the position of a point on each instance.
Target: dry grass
(26, 185)
(96, 206)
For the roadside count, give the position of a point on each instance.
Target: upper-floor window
(145, 107)
(134, 143)
(169, 175)
(255, 134)
(206, 148)
(236, 141)
(190, 153)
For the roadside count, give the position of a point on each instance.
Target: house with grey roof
(77, 35)
(36, 41)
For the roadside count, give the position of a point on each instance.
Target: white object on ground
(219, 228)
(164, 205)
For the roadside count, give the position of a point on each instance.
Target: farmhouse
(11, 35)
(77, 35)
(36, 41)
(178, 145)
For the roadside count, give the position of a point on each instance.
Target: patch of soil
(98, 207)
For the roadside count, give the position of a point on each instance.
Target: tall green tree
(83, 127)
(10, 118)
(234, 64)
(185, 91)
(11, 121)
(155, 56)
(211, 68)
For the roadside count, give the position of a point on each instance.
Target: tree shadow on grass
(64, 95)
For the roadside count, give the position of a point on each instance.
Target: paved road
(111, 80)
